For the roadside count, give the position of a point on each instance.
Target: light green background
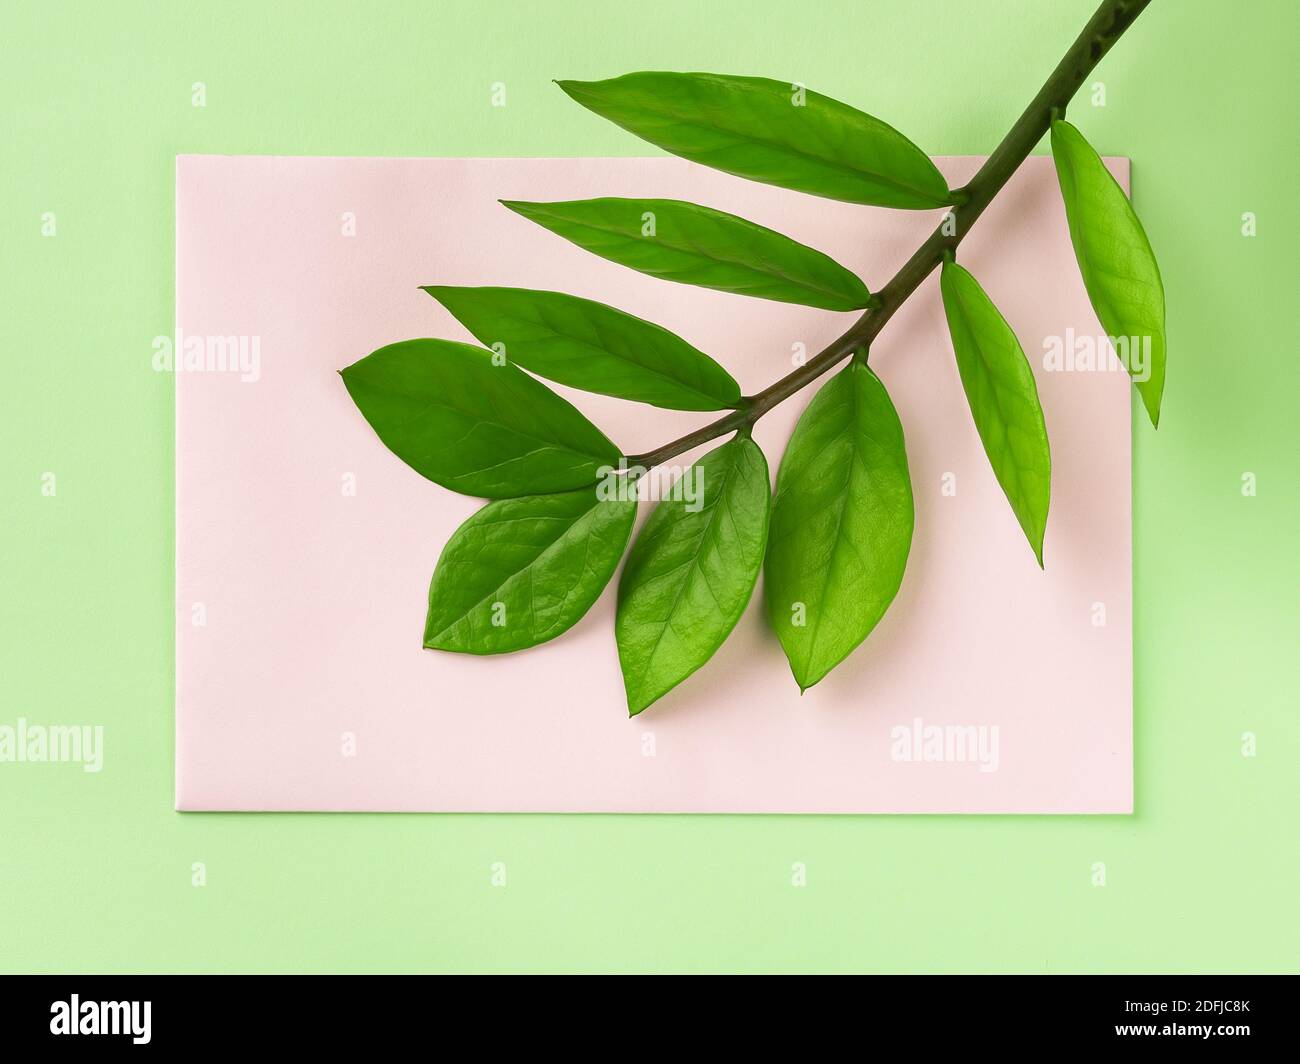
(95, 871)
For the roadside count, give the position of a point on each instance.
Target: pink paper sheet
(301, 682)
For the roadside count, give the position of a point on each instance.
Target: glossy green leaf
(591, 346)
(841, 524)
(522, 571)
(1003, 399)
(454, 416)
(691, 571)
(770, 131)
(1115, 257)
(685, 242)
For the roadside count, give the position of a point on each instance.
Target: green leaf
(522, 571)
(1003, 399)
(591, 346)
(692, 570)
(770, 131)
(841, 524)
(1115, 257)
(455, 417)
(684, 242)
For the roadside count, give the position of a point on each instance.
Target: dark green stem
(1105, 27)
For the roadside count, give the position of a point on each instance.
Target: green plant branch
(1106, 26)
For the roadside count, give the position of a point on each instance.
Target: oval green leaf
(1115, 258)
(1003, 399)
(841, 524)
(522, 571)
(454, 416)
(692, 570)
(691, 244)
(591, 346)
(770, 131)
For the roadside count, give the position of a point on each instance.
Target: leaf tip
(1036, 545)
(576, 90)
(1150, 404)
(804, 688)
(520, 207)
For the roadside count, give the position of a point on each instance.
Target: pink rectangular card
(304, 548)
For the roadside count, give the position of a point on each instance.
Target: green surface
(522, 571)
(842, 521)
(589, 345)
(769, 130)
(694, 244)
(1116, 262)
(692, 570)
(95, 870)
(1003, 398)
(453, 415)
